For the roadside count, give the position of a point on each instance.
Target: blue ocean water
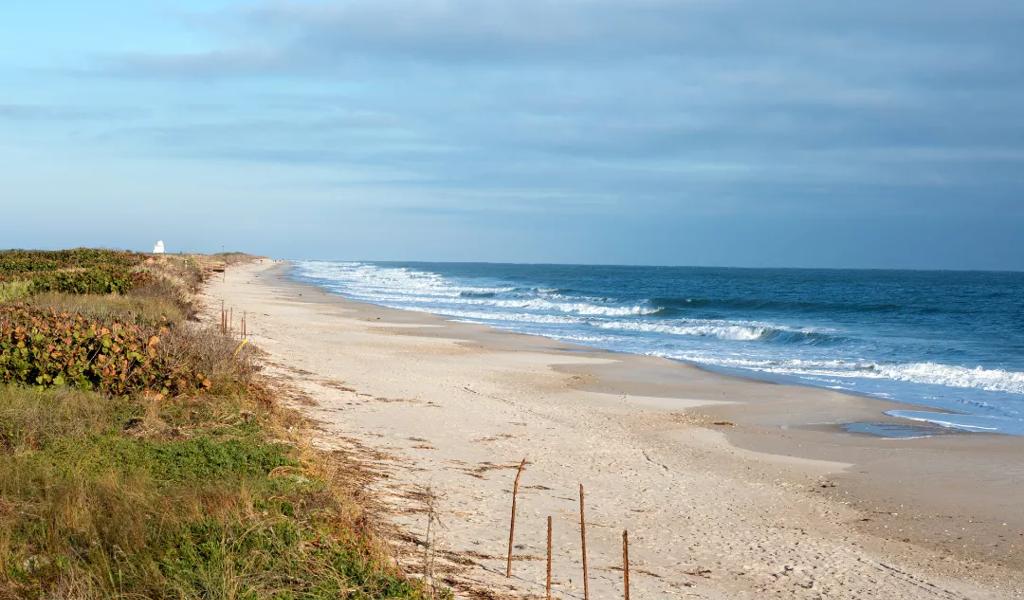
(950, 343)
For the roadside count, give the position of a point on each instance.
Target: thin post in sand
(583, 543)
(244, 317)
(625, 564)
(547, 584)
(428, 543)
(512, 525)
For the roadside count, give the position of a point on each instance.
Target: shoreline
(927, 428)
(767, 438)
(930, 395)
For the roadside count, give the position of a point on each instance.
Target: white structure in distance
(159, 247)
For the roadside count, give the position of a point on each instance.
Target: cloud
(324, 35)
(676, 105)
(49, 112)
(195, 65)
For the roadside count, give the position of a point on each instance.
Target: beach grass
(205, 494)
(14, 290)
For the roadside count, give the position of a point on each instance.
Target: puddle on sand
(896, 430)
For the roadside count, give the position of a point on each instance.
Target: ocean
(949, 344)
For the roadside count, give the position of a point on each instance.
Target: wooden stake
(583, 542)
(231, 318)
(625, 563)
(547, 585)
(512, 525)
(428, 543)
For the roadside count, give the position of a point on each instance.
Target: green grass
(106, 498)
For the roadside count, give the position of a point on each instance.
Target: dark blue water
(952, 341)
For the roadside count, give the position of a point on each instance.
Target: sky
(689, 132)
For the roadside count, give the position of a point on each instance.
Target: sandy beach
(729, 488)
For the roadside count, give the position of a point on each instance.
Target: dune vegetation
(144, 457)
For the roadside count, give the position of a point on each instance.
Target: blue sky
(868, 134)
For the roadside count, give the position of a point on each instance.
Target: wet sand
(730, 488)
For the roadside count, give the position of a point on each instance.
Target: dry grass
(130, 308)
(229, 364)
(14, 290)
(30, 418)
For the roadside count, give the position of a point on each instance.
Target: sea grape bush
(24, 261)
(49, 348)
(78, 271)
(97, 280)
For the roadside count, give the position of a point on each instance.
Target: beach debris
(239, 348)
(512, 524)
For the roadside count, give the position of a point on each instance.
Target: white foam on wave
(508, 317)
(740, 332)
(399, 284)
(583, 339)
(976, 423)
(992, 380)
(579, 308)
(375, 282)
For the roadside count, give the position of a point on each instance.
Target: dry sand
(729, 488)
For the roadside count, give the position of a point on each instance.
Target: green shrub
(96, 280)
(79, 271)
(35, 261)
(44, 347)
